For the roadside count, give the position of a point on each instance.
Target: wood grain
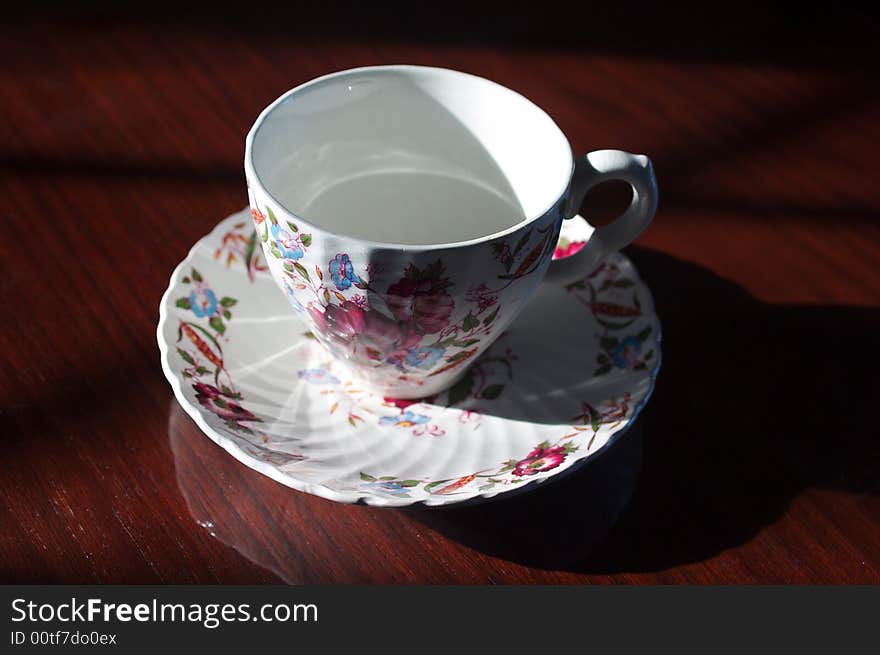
(757, 459)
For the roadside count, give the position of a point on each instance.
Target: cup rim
(254, 179)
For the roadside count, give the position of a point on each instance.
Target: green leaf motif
(522, 242)
(465, 343)
(251, 246)
(461, 390)
(186, 279)
(217, 323)
(602, 370)
(436, 483)
(306, 240)
(457, 357)
(271, 215)
(226, 301)
(470, 322)
(183, 303)
(227, 314)
(408, 483)
(196, 276)
(275, 252)
(302, 271)
(367, 478)
(264, 237)
(386, 477)
(608, 343)
(292, 226)
(492, 391)
(643, 334)
(185, 356)
(491, 317)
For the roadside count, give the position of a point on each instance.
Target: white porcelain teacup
(409, 213)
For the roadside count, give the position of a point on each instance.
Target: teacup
(409, 213)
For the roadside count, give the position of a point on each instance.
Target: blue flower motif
(424, 356)
(318, 376)
(342, 272)
(289, 245)
(405, 419)
(388, 487)
(203, 302)
(291, 296)
(626, 353)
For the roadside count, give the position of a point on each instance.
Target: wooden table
(756, 460)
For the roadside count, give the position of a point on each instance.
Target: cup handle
(590, 170)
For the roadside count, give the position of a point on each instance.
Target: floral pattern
(201, 314)
(222, 403)
(205, 357)
(342, 272)
(484, 381)
(566, 248)
(406, 419)
(203, 302)
(615, 304)
(542, 459)
(405, 326)
(288, 244)
(240, 244)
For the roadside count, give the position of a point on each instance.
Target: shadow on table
(755, 403)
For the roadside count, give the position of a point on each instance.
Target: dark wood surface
(757, 459)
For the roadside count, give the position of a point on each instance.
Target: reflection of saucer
(572, 372)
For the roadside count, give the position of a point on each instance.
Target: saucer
(569, 376)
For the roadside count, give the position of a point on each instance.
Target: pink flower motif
(431, 430)
(473, 294)
(366, 332)
(221, 403)
(421, 303)
(539, 460)
(469, 416)
(480, 294)
(420, 298)
(567, 249)
(360, 300)
(373, 269)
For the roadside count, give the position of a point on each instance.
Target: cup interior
(413, 121)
